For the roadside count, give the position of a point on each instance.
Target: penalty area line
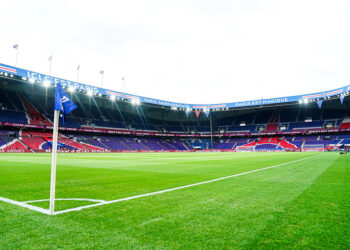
(178, 188)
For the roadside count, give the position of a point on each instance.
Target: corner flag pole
(66, 105)
(53, 162)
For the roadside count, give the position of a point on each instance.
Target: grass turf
(300, 205)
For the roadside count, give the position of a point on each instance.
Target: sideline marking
(66, 199)
(102, 202)
(23, 204)
(177, 188)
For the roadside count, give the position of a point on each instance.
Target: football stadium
(175, 124)
(136, 172)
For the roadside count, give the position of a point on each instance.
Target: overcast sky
(186, 51)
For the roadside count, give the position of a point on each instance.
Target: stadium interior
(102, 124)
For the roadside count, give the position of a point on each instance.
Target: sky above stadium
(185, 51)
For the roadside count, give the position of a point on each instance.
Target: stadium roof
(35, 77)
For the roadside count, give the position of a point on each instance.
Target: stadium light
(188, 109)
(173, 108)
(32, 80)
(300, 101)
(306, 101)
(112, 97)
(71, 89)
(89, 93)
(46, 83)
(135, 101)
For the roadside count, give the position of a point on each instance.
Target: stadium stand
(345, 123)
(273, 123)
(26, 115)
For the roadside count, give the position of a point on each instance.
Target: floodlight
(135, 101)
(89, 93)
(112, 97)
(71, 89)
(306, 101)
(32, 80)
(46, 83)
(173, 108)
(188, 109)
(300, 101)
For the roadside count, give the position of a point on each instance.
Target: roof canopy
(31, 75)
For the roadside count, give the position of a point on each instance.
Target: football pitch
(176, 201)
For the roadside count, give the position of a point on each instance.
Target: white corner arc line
(67, 199)
(177, 188)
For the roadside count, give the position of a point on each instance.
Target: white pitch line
(67, 199)
(177, 188)
(23, 204)
(102, 202)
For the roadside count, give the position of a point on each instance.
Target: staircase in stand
(272, 126)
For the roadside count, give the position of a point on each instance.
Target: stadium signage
(153, 133)
(27, 74)
(262, 102)
(64, 83)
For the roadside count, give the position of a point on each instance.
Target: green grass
(300, 205)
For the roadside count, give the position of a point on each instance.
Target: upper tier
(27, 75)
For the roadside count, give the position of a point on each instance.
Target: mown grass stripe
(178, 188)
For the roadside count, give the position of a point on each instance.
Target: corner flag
(64, 104)
(62, 101)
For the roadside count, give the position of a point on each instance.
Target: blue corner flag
(62, 101)
(64, 104)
